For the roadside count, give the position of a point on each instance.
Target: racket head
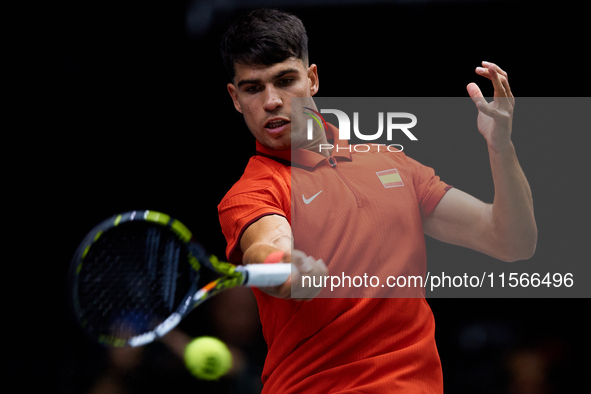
(137, 274)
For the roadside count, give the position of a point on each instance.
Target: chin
(281, 146)
(281, 143)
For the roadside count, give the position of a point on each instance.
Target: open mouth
(276, 124)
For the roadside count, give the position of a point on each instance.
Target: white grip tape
(264, 275)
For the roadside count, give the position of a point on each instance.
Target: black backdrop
(123, 105)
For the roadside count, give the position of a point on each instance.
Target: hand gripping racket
(136, 275)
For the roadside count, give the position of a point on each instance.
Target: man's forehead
(266, 72)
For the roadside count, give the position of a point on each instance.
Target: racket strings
(132, 278)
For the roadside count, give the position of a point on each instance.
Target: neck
(313, 145)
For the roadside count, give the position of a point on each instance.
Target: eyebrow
(276, 76)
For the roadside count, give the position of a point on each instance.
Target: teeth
(276, 123)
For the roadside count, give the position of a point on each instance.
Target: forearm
(272, 234)
(268, 235)
(514, 230)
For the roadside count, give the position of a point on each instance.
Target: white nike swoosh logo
(309, 200)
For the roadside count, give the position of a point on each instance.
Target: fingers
(303, 266)
(498, 76)
(484, 70)
(307, 264)
(495, 77)
(309, 267)
(500, 82)
(502, 91)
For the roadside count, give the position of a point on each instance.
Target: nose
(272, 99)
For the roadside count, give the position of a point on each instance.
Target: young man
(370, 345)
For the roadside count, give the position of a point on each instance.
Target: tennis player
(351, 345)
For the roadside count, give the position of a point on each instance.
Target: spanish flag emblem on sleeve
(390, 178)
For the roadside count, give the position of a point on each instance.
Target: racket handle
(265, 275)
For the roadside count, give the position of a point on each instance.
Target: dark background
(123, 105)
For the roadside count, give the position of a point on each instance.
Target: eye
(286, 81)
(252, 89)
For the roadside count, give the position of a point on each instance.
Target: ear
(313, 78)
(234, 94)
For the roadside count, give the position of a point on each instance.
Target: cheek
(251, 117)
(303, 89)
(248, 110)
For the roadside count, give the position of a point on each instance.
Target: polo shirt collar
(306, 158)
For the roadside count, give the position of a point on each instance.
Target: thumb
(476, 95)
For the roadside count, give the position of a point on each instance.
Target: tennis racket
(136, 275)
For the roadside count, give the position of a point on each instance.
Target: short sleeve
(264, 189)
(239, 211)
(429, 188)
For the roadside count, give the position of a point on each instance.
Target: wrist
(501, 147)
(274, 257)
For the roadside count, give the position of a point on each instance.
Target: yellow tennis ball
(208, 358)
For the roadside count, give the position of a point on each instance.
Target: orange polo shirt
(361, 212)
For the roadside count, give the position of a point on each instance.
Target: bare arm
(505, 229)
(271, 234)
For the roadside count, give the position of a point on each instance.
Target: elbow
(523, 249)
(518, 255)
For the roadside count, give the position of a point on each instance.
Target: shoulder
(261, 175)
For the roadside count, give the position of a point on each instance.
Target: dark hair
(264, 36)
